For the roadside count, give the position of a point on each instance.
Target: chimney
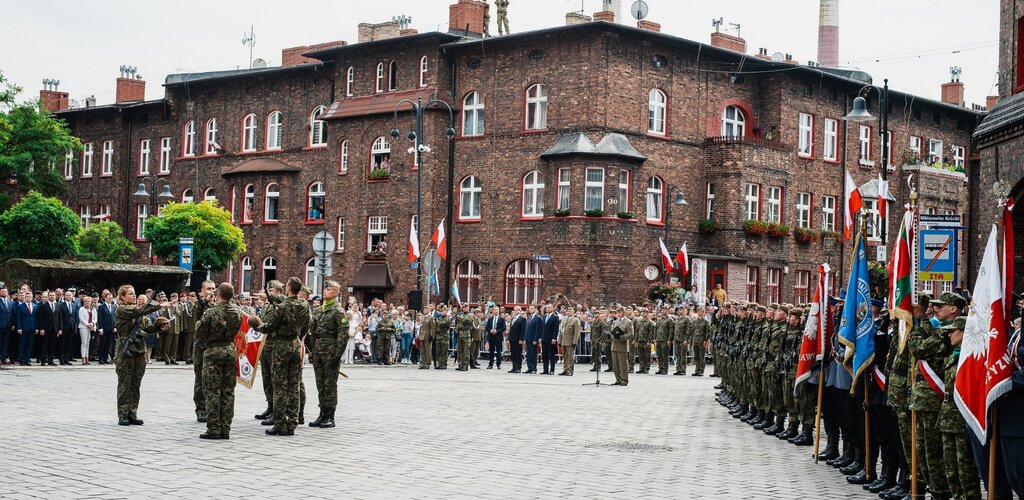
(790, 60)
(574, 18)
(52, 99)
(90, 102)
(382, 31)
(953, 92)
(613, 6)
(293, 55)
(650, 26)
(605, 15)
(130, 86)
(467, 17)
(828, 34)
(762, 53)
(991, 101)
(727, 41)
(408, 32)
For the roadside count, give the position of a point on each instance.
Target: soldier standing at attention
(666, 326)
(961, 474)
(428, 329)
(642, 344)
(442, 338)
(599, 338)
(330, 332)
(130, 360)
(186, 315)
(205, 299)
(476, 337)
(274, 290)
(285, 325)
(502, 6)
(622, 335)
(171, 345)
(681, 339)
(568, 337)
(384, 330)
(217, 331)
(464, 327)
(701, 334)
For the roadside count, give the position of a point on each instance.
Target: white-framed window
(657, 104)
(753, 283)
(533, 195)
(107, 164)
(524, 282)
(380, 154)
(343, 157)
(317, 127)
(467, 279)
(803, 210)
(187, 196)
(564, 188)
(594, 189)
(624, 198)
(774, 204)
(802, 287)
(829, 152)
(314, 280)
(245, 281)
(733, 122)
(340, 239)
(269, 270)
(864, 139)
(709, 201)
(212, 137)
(315, 198)
(144, 157)
(87, 160)
(828, 213)
(165, 155)
(874, 223)
(210, 195)
(423, 71)
(248, 202)
(85, 213)
(655, 199)
(469, 198)
(188, 142)
(379, 82)
(806, 149)
(537, 107)
(773, 288)
(472, 115)
(103, 213)
(915, 146)
(958, 156)
(141, 214)
(69, 165)
(350, 79)
(249, 127)
(934, 151)
(393, 76)
(376, 231)
(275, 130)
(752, 202)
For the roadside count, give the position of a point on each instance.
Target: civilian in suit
(568, 337)
(534, 332)
(6, 324)
(26, 322)
(50, 336)
(516, 339)
(67, 327)
(105, 327)
(495, 328)
(549, 341)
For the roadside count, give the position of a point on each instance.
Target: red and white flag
(438, 240)
(883, 196)
(816, 341)
(666, 258)
(853, 203)
(984, 369)
(683, 258)
(414, 243)
(248, 348)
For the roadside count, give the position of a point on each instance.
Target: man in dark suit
(6, 322)
(516, 337)
(67, 327)
(105, 326)
(494, 326)
(52, 340)
(27, 314)
(549, 341)
(534, 332)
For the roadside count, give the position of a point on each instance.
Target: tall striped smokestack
(828, 34)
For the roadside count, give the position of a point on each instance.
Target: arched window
(524, 283)
(472, 115)
(380, 154)
(343, 157)
(467, 279)
(733, 122)
(210, 195)
(656, 109)
(249, 196)
(537, 107)
(379, 82)
(423, 71)
(245, 280)
(315, 202)
(393, 75)
(533, 195)
(316, 127)
(350, 79)
(212, 143)
(187, 196)
(269, 270)
(469, 199)
(655, 195)
(314, 279)
(271, 197)
(249, 132)
(188, 143)
(275, 130)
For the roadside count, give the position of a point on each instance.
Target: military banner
(248, 347)
(816, 341)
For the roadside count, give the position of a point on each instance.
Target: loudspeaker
(415, 302)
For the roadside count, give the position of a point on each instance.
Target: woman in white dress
(86, 326)
(354, 323)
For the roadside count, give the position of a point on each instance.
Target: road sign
(323, 243)
(936, 220)
(542, 258)
(186, 251)
(324, 266)
(937, 255)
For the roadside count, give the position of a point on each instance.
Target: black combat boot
(123, 420)
(758, 418)
(769, 419)
(890, 468)
(750, 414)
(266, 413)
(134, 420)
(777, 426)
(791, 431)
(268, 421)
(328, 419)
(805, 439)
(831, 450)
(201, 417)
(319, 419)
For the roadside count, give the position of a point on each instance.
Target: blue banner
(857, 327)
(185, 256)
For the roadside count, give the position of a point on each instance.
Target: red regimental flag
(815, 341)
(248, 348)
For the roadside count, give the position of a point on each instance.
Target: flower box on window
(594, 212)
(707, 226)
(379, 174)
(624, 215)
(805, 235)
(375, 256)
(778, 230)
(561, 212)
(832, 235)
(755, 227)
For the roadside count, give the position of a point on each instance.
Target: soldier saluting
(285, 325)
(130, 360)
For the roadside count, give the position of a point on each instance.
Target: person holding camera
(130, 360)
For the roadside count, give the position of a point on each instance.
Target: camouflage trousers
(903, 422)
(596, 350)
(699, 351)
(929, 452)
(464, 346)
(130, 369)
(756, 396)
(441, 346)
(326, 380)
(774, 399)
(197, 385)
(643, 350)
(267, 373)
(384, 348)
(219, 387)
(961, 474)
(792, 401)
(806, 402)
(681, 355)
(662, 350)
(287, 372)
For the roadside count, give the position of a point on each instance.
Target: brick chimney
(130, 89)
(953, 92)
(605, 15)
(370, 32)
(727, 41)
(762, 53)
(467, 15)
(991, 101)
(408, 32)
(51, 98)
(650, 26)
(293, 55)
(574, 18)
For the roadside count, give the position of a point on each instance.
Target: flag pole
(817, 416)
(868, 465)
(992, 444)
(913, 362)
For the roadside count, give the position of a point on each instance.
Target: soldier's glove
(335, 362)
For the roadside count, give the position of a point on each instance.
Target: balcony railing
(752, 141)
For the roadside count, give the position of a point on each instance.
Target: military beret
(773, 306)
(754, 305)
(796, 311)
(331, 284)
(785, 308)
(761, 308)
(308, 290)
(275, 284)
(957, 324)
(950, 299)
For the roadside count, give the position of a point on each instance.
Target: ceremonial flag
(414, 243)
(883, 196)
(666, 259)
(248, 348)
(901, 277)
(683, 258)
(853, 203)
(857, 327)
(439, 241)
(984, 369)
(815, 342)
(455, 293)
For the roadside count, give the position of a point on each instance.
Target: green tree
(104, 242)
(33, 145)
(38, 227)
(217, 241)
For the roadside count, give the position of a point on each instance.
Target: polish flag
(414, 243)
(439, 241)
(665, 257)
(853, 203)
(683, 258)
(883, 196)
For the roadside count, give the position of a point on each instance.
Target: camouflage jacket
(330, 330)
(666, 327)
(125, 320)
(791, 355)
(444, 324)
(897, 389)
(645, 331)
(768, 328)
(950, 418)
(288, 320)
(219, 325)
(700, 331)
(599, 332)
(681, 329)
(464, 324)
(927, 345)
(776, 346)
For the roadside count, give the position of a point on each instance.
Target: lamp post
(153, 197)
(415, 136)
(860, 114)
(679, 201)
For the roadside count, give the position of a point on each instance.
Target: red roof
(375, 104)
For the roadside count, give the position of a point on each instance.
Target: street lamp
(416, 137)
(164, 195)
(679, 201)
(860, 114)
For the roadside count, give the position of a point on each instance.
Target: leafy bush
(104, 242)
(379, 174)
(39, 227)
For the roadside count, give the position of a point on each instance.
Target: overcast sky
(82, 43)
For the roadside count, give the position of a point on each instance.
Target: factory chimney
(828, 34)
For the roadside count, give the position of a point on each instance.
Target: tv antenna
(249, 40)
(403, 21)
(717, 23)
(737, 26)
(954, 73)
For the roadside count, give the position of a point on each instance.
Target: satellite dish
(778, 57)
(259, 63)
(639, 10)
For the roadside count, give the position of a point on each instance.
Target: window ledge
(315, 147)
(186, 157)
(273, 150)
(253, 152)
(85, 176)
(525, 218)
(339, 252)
(271, 222)
(468, 220)
(529, 131)
(587, 217)
(471, 137)
(161, 174)
(137, 240)
(805, 156)
(377, 181)
(660, 137)
(314, 222)
(209, 155)
(866, 163)
(245, 223)
(833, 160)
(107, 175)
(659, 223)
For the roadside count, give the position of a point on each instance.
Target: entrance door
(717, 274)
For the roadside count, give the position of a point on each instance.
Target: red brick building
(572, 142)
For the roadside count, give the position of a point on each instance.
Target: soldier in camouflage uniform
(464, 326)
(285, 325)
(771, 372)
(442, 338)
(961, 474)
(599, 338)
(700, 334)
(130, 357)
(665, 329)
(645, 333)
(762, 380)
(753, 368)
(275, 290)
(806, 397)
(681, 339)
(330, 331)
(217, 330)
(203, 302)
(428, 330)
